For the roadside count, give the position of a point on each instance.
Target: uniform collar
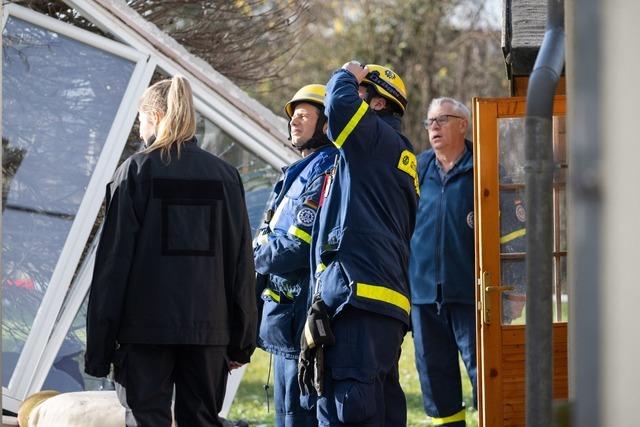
(394, 121)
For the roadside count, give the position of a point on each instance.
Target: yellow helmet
(313, 93)
(388, 85)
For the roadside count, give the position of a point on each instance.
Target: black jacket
(174, 264)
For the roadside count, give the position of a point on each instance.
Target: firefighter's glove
(317, 333)
(305, 371)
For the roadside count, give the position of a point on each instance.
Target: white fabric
(80, 409)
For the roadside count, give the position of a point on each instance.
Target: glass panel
(67, 373)
(560, 219)
(511, 146)
(513, 215)
(512, 218)
(561, 311)
(561, 222)
(512, 274)
(258, 176)
(559, 149)
(559, 182)
(60, 100)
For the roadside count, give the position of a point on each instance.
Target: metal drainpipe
(539, 168)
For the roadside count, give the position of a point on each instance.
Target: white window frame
(29, 367)
(271, 145)
(262, 135)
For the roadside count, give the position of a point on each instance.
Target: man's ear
(378, 103)
(464, 126)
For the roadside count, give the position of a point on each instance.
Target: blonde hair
(172, 100)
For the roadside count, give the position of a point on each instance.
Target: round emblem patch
(389, 74)
(470, 219)
(521, 213)
(306, 216)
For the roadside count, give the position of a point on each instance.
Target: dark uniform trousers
(439, 333)
(361, 380)
(292, 409)
(144, 376)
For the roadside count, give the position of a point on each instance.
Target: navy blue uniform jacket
(283, 253)
(442, 247)
(368, 216)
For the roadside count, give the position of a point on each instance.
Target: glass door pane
(513, 215)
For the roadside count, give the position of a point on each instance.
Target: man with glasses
(441, 268)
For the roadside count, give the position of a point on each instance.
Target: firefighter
(361, 254)
(283, 252)
(442, 264)
(172, 299)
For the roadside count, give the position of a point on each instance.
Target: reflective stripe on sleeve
(277, 213)
(384, 294)
(353, 122)
(512, 236)
(457, 417)
(271, 294)
(300, 234)
(320, 268)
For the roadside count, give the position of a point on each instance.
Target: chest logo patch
(306, 216)
(470, 219)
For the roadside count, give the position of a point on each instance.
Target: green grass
(250, 402)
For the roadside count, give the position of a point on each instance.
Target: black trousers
(146, 374)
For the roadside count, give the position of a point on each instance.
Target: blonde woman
(172, 300)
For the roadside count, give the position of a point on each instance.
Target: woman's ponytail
(173, 99)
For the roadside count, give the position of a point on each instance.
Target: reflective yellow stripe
(513, 235)
(321, 267)
(300, 234)
(277, 213)
(271, 294)
(457, 417)
(351, 125)
(381, 293)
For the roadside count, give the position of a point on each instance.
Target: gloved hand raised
(317, 333)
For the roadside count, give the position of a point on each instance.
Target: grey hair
(458, 106)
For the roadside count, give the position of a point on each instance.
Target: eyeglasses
(440, 120)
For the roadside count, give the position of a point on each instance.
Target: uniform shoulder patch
(306, 216)
(409, 165)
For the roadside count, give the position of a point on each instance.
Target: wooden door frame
(486, 112)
